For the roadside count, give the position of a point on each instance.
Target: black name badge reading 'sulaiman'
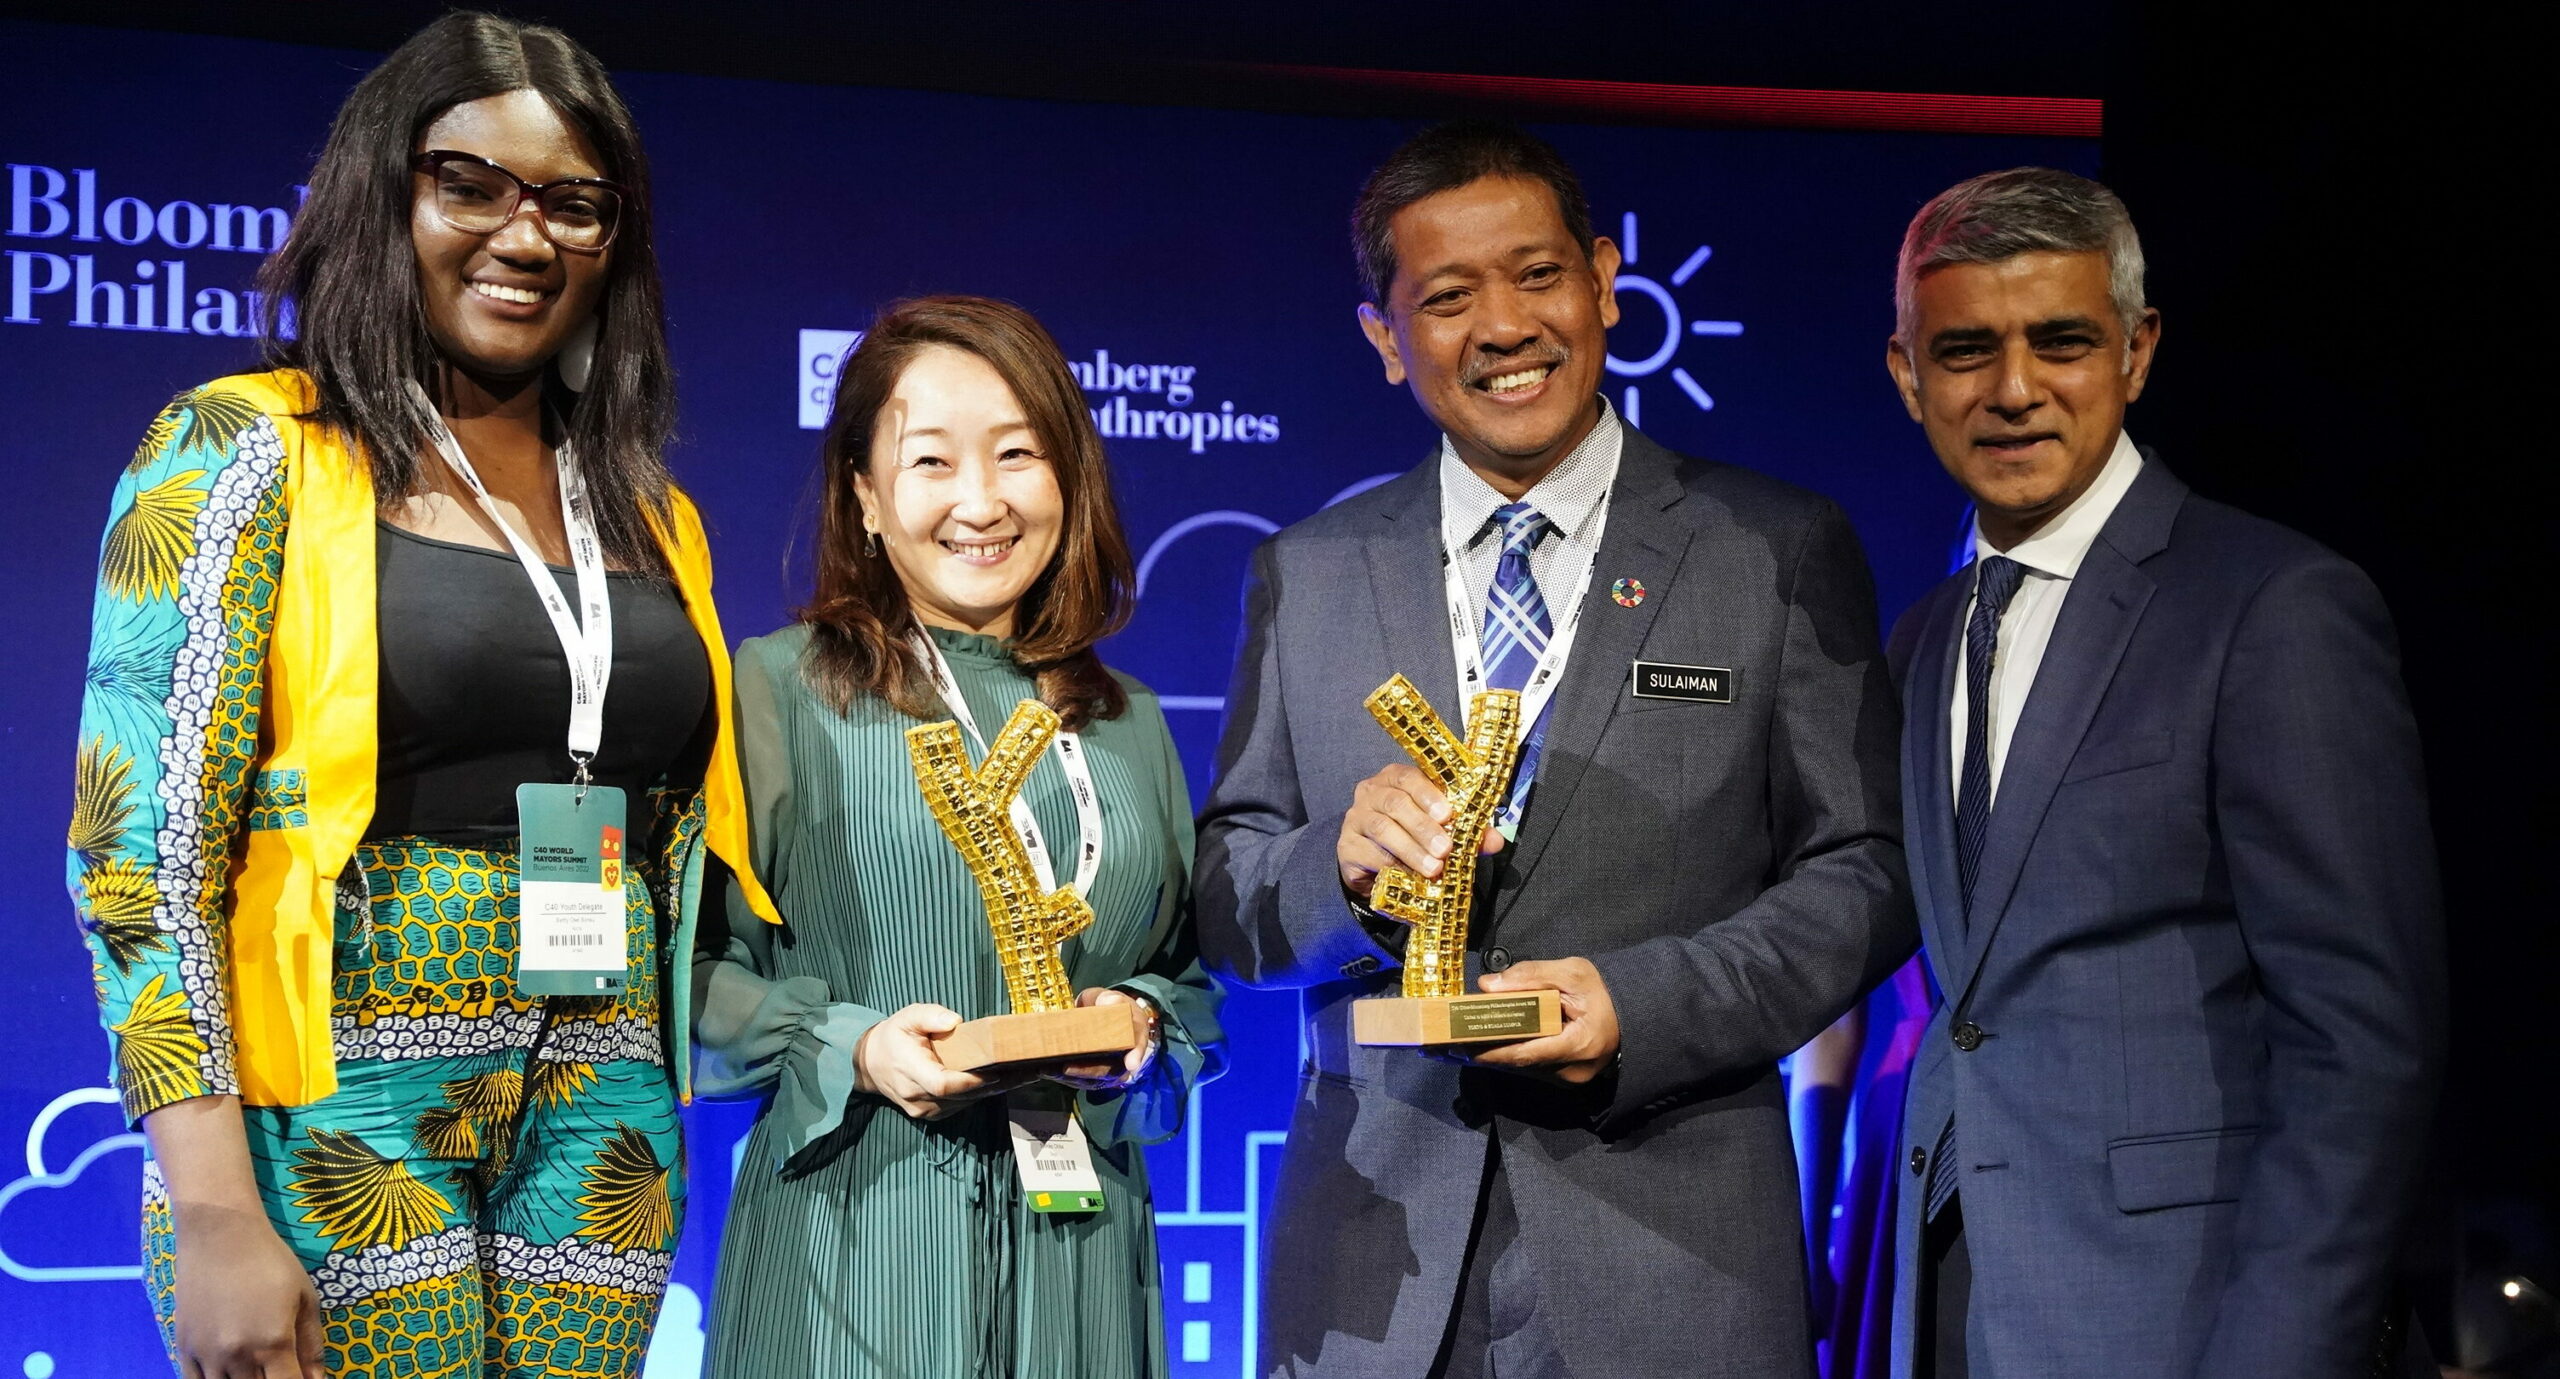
(1697, 684)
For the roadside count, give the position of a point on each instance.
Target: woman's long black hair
(341, 295)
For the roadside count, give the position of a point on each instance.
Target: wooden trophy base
(1085, 1034)
(1482, 1018)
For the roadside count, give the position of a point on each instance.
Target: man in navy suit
(2168, 836)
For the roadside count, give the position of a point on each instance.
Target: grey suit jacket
(1734, 870)
(2201, 987)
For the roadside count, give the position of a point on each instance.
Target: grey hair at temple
(2001, 215)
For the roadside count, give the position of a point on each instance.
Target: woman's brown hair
(862, 626)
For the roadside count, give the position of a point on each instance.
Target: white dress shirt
(2052, 557)
(1568, 495)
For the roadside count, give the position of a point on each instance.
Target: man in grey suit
(1703, 856)
(2168, 834)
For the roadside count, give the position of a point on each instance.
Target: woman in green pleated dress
(969, 558)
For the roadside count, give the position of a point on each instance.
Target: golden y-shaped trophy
(975, 811)
(1475, 774)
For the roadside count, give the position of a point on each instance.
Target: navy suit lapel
(1405, 586)
(2099, 613)
(1928, 775)
(1643, 542)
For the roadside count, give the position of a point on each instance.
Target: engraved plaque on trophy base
(1085, 1034)
(1487, 1017)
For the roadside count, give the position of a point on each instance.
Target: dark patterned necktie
(1995, 581)
(1516, 628)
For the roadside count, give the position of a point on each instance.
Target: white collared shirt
(2052, 558)
(1568, 495)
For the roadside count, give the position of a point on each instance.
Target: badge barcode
(1054, 1165)
(573, 940)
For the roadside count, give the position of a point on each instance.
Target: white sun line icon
(1671, 332)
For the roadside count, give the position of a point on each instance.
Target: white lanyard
(588, 645)
(1070, 747)
(1466, 623)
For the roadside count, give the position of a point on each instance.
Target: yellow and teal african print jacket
(227, 748)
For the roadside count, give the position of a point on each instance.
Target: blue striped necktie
(1515, 635)
(1995, 581)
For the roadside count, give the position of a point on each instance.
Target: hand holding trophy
(1475, 775)
(975, 809)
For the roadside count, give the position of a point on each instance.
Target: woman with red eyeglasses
(403, 740)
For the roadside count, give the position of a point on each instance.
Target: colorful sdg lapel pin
(1628, 592)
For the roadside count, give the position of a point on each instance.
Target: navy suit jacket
(1734, 870)
(2203, 962)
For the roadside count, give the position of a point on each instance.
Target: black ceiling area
(1233, 55)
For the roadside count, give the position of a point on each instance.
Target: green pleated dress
(861, 1243)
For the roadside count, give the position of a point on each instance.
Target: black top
(475, 690)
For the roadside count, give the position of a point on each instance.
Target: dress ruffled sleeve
(755, 1035)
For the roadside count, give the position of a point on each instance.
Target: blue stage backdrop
(1193, 262)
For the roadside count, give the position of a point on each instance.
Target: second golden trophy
(975, 809)
(1475, 773)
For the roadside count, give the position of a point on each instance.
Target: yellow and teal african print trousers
(497, 1185)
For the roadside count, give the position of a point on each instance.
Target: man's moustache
(1477, 373)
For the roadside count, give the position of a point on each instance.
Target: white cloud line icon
(1223, 517)
(39, 1178)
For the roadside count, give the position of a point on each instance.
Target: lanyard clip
(584, 778)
